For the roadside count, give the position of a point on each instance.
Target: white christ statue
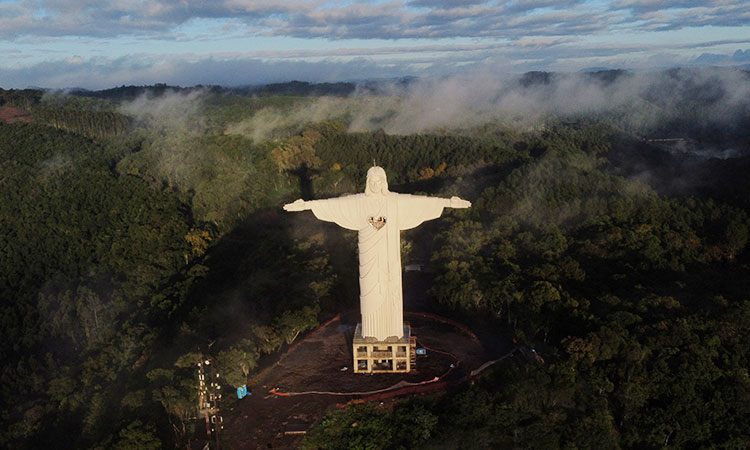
(378, 216)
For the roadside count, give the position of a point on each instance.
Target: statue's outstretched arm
(297, 205)
(455, 202)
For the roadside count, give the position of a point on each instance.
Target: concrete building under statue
(391, 355)
(382, 341)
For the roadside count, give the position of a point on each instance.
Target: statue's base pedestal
(392, 355)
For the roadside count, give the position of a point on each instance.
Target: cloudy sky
(104, 43)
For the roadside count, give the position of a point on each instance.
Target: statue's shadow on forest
(265, 266)
(305, 175)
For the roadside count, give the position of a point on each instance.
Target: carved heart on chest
(377, 222)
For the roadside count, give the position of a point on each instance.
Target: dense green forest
(142, 231)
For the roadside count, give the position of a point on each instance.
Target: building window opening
(383, 364)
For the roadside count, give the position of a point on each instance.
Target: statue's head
(377, 183)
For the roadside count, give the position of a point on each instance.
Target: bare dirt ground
(10, 114)
(317, 364)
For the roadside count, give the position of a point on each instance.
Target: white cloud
(364, 20)
(74, 60)
(405, 37)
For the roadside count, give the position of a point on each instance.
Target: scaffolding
(392, 355)
(209, 395)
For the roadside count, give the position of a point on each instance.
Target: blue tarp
(242, 391)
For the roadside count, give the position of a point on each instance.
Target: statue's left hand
(298, 205)
(459, 203)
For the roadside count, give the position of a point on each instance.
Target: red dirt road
(10, 114)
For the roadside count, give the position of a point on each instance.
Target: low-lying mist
(704, 104)
(707, 104)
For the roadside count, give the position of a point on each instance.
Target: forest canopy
(142, 232)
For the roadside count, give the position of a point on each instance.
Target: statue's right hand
(298, 205)
(456, 202)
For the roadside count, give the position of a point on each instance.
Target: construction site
(315, 375)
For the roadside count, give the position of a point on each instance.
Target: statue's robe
(379, 220)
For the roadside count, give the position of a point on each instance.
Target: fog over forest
(637, 101)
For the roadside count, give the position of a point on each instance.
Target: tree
(177, 392)
(291, 323)
(235, 363)
(138, 436)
